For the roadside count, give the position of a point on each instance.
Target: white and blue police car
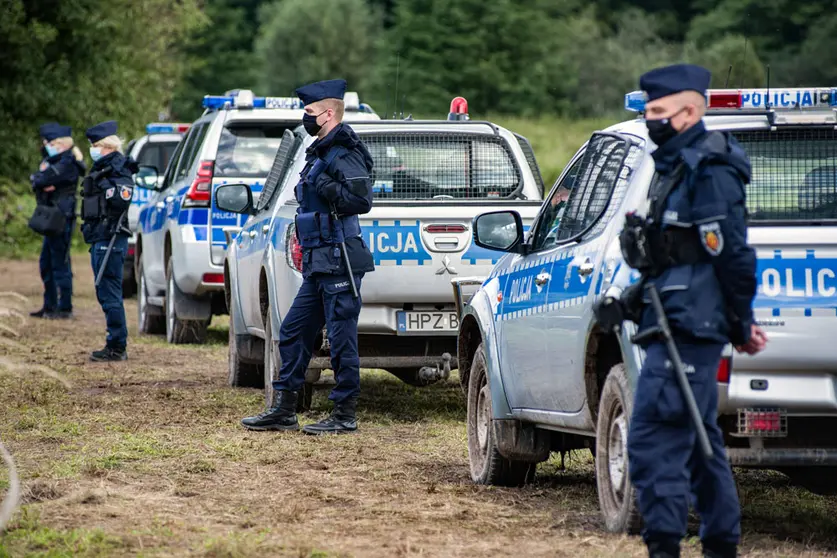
(152, 151)
(542, 376)
(180, 238)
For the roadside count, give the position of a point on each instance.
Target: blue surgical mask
(51, 150)
(95, 153)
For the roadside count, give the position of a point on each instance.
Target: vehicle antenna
(767, 96)
(729, 73)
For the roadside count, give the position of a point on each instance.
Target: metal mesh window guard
(280, 167)
(632, 162)
(794, 174)
(600, 170)
(415, 166)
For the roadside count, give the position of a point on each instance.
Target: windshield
(794, 174)
(157, 155)
(247, 150)
(416, 166)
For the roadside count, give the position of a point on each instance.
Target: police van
(152, 151)
(542, 376)
(180, 238)
(430, 178)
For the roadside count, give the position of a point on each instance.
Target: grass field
(146, 458)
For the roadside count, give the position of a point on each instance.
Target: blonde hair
(67, 143)
(337, 105)
(110, 142)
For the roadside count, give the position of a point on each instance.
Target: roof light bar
(166, 128)
(799, 98)
(244, 98)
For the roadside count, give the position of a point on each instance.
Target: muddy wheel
(240, 373)
(819, 480)
(272, 364)
(487, 465)
(617, 497)
(147, 322)
(180, 331)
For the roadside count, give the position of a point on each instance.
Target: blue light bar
(789, 98)
(166, 128)
(219, 101)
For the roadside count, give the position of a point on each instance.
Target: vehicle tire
(819, 480)
(146, 321)
(272, 365)
(129, 285)
(487, 465)
(180, 331)
(617, 496)
(240, 373)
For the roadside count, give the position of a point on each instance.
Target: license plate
(427, 322)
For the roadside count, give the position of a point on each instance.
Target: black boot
(719, 549)
(343, 419)
(40, 313)
(663, 549)
(282, 416)
(109, 354)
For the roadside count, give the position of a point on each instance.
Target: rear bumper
(804, 392)
(744, 457)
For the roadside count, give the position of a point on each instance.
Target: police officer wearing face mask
(108, 190)
(55, 184)
(334, 188)
(705, 272)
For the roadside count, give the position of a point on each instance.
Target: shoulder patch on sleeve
(711, 238)
(109, 192)
(126, 192)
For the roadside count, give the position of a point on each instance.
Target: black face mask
(309, 121)
(660, 131)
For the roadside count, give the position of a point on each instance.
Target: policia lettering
(335, 186)
(108, 191)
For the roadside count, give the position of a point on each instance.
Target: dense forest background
(83, 61)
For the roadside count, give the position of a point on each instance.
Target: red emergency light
(458, 109)
(724, 99)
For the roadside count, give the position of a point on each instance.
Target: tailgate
(419, 248)
(796, 303)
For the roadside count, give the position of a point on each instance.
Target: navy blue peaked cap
(101, 131)
(52, 130)
(329, 89)
(668, 80)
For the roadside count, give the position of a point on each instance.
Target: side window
(280, 168)
(190, 151)
(550, 217)
(175, 159)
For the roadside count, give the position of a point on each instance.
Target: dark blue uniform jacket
(116, 186)
(712, 300)
(63, 172)
(346, 184)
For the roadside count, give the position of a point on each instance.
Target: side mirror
(235, 198)
(147, 177)
(499, 230)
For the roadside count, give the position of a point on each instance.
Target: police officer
(55, 184)
(108, 190)
(334, 187)
(705, 272)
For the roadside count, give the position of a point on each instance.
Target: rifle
(663, 330)
(345, 253)
(104, 264)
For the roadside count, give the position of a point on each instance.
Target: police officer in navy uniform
(706, 274)
(55, 184)
(107, 191)
(334, 188)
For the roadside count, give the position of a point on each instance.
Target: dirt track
(147, 458)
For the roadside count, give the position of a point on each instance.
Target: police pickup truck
(152, 151)
(541, 376)
(180, 241)
(430, 179)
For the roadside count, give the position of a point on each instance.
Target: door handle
(586, 268)
(169, 199)
(252, 234)
(542, 278)
(160, 205)
(265, 229)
